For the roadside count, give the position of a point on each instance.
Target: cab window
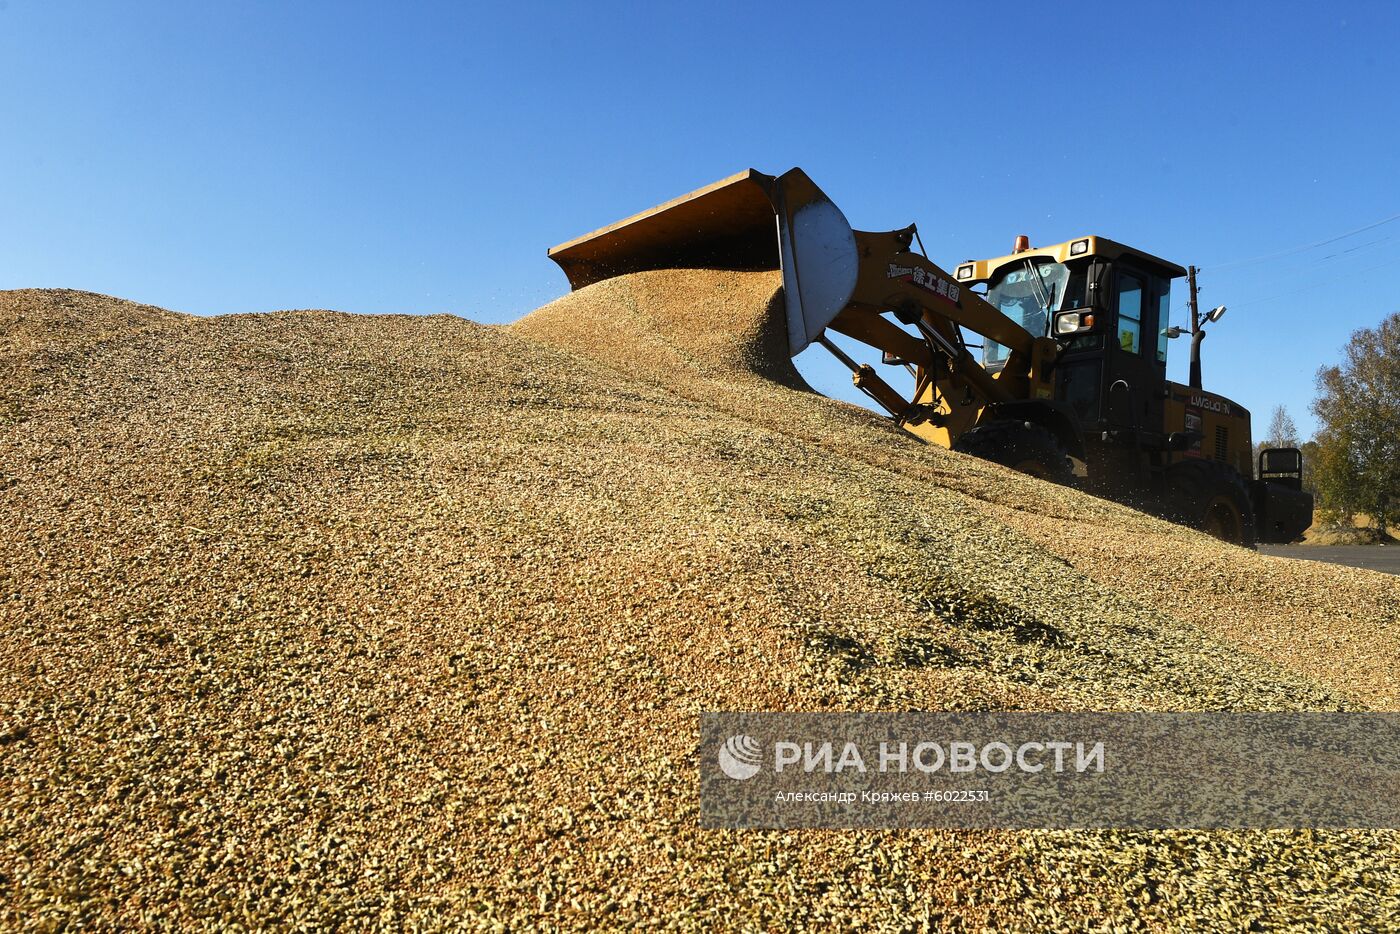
(1164, 317)
(1130, 291)
(1029, 293)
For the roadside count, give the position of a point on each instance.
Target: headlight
(965, 272)
(1073, 321)
(1079, 247)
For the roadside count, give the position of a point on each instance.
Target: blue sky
(232, 157)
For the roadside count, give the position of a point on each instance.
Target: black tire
(1212, 498)
(1024, 446)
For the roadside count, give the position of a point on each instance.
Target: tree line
(1352, 464)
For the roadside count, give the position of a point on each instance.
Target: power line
(1310, 288)
(1353, 249)
(1304, 247)
(1310, 283)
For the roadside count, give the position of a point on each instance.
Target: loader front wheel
(1023, 446)
(1211, 497)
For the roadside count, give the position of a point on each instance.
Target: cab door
(1134, 398)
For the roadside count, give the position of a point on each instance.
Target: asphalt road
(1374, 557)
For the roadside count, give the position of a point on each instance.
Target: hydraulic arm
(839, 278)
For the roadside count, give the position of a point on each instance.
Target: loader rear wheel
(1024, 446)
(1211, 497)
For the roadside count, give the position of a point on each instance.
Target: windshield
(1028, 293)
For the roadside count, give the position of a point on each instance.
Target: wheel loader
(1049, 360)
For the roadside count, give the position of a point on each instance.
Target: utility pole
(1197, 334)
(1195, 313)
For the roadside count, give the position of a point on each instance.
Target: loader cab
(1107, 304)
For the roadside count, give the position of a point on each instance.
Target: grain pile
(1344, 535)
(314, 618)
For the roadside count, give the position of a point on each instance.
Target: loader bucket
(749, 221)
